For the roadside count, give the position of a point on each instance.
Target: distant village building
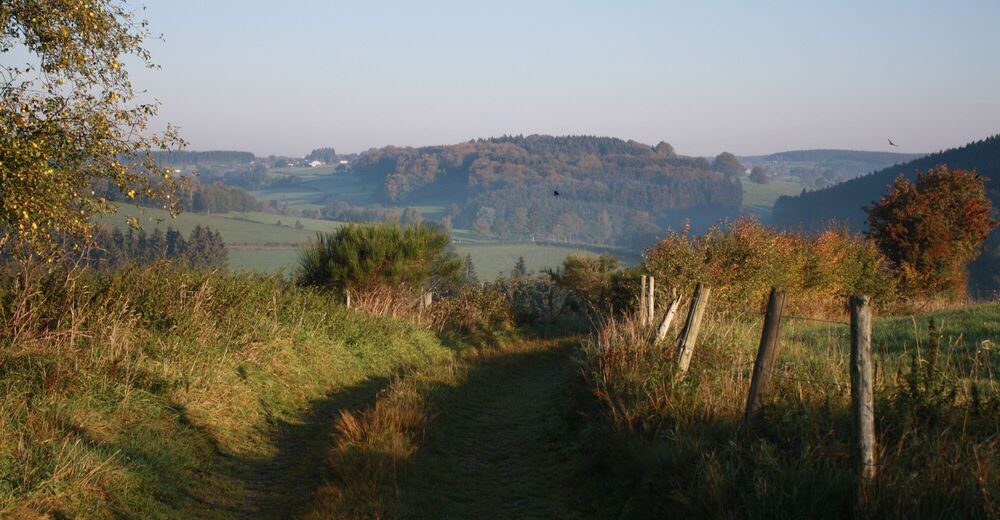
(315, 164)
(344, 162)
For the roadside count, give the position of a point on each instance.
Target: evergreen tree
(520, 268)
(157, 246)
(175, 243)
(470, 278)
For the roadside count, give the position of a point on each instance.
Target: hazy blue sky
(286, 77)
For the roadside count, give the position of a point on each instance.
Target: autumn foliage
(744, 259)
(932, 229)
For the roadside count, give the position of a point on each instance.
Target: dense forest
(609, 190)
(844, 203)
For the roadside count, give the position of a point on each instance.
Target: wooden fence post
(862, 399)
(767, 352)
(661, 331)
(651, 301)
(692, 326)
(428, 299)
(642, 302)
(347, 298)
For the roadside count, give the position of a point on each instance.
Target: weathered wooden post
(642, 303)
(347, 298)
(863, 399)
(651, 301)
(428, 300)
(661, 331)
(692, 326)
(767, 352)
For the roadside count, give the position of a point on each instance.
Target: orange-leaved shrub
(744, 259)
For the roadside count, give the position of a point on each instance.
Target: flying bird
(893, 144)
(555, 193)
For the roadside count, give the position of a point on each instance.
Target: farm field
(490, 260)
(759, 199)
(258, 243)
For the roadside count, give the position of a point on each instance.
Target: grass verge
(159, 392)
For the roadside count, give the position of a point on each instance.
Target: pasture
(265, 242)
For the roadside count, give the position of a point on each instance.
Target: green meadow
(264, 242)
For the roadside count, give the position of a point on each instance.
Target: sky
(287, 77)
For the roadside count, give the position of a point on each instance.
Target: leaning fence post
(651, 301)
(642, 302)
(767, 352)
(692, 326)
(661, 331)
(862, 399)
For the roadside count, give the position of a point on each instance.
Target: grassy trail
(283, 485)
(502, 444)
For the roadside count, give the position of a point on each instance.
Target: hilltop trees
(600, 181)
(728, 164)
(69, 116)
(933, 228)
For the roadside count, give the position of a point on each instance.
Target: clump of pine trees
(202, 249)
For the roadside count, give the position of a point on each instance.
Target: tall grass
(133, 393)
(678, 446)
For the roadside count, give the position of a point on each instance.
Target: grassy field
(758, 199)
(317, 189)
(257, 243)
(937, 415)
(490, 259)
(237, 228)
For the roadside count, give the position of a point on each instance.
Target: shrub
(743, 260)
(597, 284)
(372, 257)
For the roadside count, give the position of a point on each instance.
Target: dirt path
(502, 444)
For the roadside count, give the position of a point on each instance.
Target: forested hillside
(610, 190)
(844, 203)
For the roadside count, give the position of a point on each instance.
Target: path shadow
(505, 443)
(281, 486)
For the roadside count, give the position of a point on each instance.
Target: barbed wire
(803, 318)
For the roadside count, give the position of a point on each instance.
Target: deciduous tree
(932, 229)
(69, 117)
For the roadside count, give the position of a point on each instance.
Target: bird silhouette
(893, 144)
(555, 193)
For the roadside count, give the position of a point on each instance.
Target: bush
(598, 284)
(742, 261)
(372, 257)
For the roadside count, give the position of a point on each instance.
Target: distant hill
(185, 157)
(822, 168)
(844, 202)
(610, 190)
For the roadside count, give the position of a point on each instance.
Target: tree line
(113, 249)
